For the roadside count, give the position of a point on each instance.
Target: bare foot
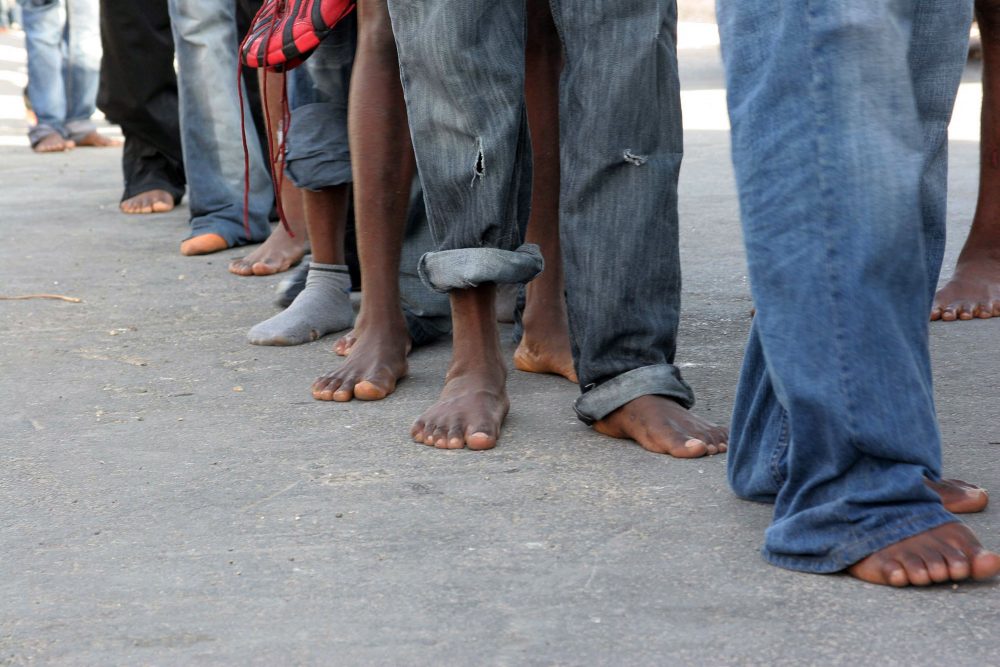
(469, 412)
(974, 290)
(663, 426)
(153, 201)
(550, 356)
(203, 245)
(344, 345)
(947, 553)
(95, 139)
(277, 254)
(376, 364)
(960, 497)
(53, 143)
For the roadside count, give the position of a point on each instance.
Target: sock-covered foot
(323, 307)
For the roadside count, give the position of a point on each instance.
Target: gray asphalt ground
(170, 495)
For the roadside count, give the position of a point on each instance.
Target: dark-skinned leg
(974, 289)
(379, 343)
(545, 346)
(473, 403)
(281, 251)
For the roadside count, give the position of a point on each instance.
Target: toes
(936, 312)
(326, 390)
(456, 438)
(948, 314)
(894, 574)
(439, 438)
(937, 567)
(240, 267)
(345, 392)
(916, 570)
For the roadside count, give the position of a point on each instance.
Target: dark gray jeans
(462, 64)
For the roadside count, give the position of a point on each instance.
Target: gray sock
(323, 307)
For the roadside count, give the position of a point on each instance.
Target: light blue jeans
(205, 38)
(462, 65)
(840, 113)
(63, 40)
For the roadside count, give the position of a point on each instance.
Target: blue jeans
(840, 113)
(63, 40)
(205, 38)
(462, 65)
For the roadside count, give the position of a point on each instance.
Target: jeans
(840, 113)
(206, 41)
(318, 154)
(462, 65)
(63, 41)
(139, 92)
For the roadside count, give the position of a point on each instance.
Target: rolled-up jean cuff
(447, 270)
(599, 401)
(79, 129)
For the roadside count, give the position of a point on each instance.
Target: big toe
(373, 390)
(985, 565)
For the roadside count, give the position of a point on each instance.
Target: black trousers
(139, 91)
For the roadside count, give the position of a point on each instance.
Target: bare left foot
(277, 254)
(153, 201)
(947, 553)
(95, 139)
(973, 292)
(663, 426)
(203, 244)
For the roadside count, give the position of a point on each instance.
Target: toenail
(694, 444)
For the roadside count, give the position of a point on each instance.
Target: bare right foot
(960, 497)
(973, 292)
(277, 254)
(664, 426)
(53, 143)
(551, 356)
(376, 364)
(152, 201)
(947, 553)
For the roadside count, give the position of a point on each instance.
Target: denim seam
(780, 447)
(820, 90)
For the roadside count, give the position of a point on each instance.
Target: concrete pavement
(170, 495)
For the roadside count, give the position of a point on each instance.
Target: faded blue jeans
(205, 37)
(840, 113)
(462, 65)
(63, 40)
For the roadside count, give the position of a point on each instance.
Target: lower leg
(281, 251)
(324, 306)
(974, 290)
(383, 173)
(545, 346)
(473, 403)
